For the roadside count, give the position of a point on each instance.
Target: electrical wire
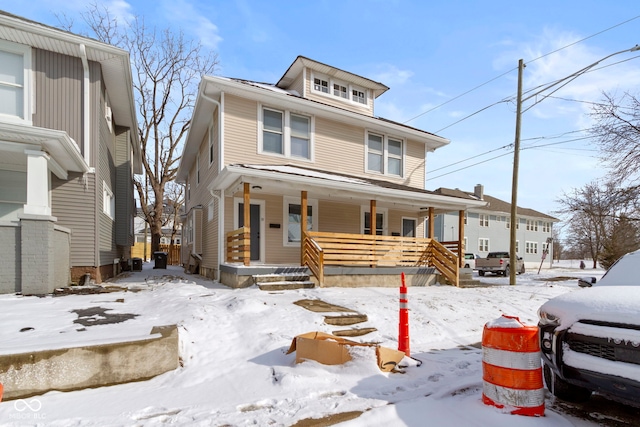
(513, 69)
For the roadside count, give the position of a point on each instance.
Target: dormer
(323, 83)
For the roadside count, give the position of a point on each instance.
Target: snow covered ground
(235, 371)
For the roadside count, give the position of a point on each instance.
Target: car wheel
(505, 273)
(562, 389)
(466, 266)
(481, 273)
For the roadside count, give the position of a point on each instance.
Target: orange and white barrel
(512, 367)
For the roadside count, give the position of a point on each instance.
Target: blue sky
(458, 56)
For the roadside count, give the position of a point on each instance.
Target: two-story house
(301, 172)
(68, 152)
(488, 228)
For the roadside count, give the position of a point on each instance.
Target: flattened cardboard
(332, 350)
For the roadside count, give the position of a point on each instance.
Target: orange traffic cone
(403, 329)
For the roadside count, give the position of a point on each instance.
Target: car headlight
(548, 318)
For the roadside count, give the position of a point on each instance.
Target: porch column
(37, 183)
(372, 218)
(247, 223)
(431, 225)
(303, 223)
(461, 247)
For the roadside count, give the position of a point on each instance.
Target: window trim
(108, 201)
(27, 81)
(291, 200)
(211, 146)
(531, 247)
(415, 225)
(286, 134)
(385, 154)
(482, 240)
(198, 169)
(483, 220)
(350, 88)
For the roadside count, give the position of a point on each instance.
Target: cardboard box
(332, 350)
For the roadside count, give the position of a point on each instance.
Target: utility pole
(513, 256)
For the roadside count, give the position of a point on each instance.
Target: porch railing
(340, 249)
(239, 246)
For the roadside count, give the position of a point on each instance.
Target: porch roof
(291, 179)
(64, 153)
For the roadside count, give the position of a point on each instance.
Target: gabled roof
(495, 205)
(301, 62)
(115, 63)
(290, 179)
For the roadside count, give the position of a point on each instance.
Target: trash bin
(160, 259)
(136, 264)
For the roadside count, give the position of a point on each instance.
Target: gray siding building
(69, 150)
(488, 228)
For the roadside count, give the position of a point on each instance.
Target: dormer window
(321, 85)
(341, 91)
(359, 96)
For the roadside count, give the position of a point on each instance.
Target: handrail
(239, 246)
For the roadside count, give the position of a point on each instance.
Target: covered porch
(338, 250)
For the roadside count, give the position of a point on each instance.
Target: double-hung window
(15, 81)
(385, 155)
(293, 219)
(340, 91)
(359, 96)
(286, 134)
(108, 201)
(321, 85)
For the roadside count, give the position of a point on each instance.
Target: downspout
(221, 237)
(86, 109)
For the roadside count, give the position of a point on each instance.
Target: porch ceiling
(290, 180)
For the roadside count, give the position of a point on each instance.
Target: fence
(173, 252)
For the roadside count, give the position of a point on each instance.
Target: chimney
(478, 191)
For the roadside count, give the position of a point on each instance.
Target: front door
(255, 228)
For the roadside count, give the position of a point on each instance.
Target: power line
(513, 69)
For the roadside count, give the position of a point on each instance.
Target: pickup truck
(498, 263)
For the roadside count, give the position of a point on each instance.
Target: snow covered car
(590, 337)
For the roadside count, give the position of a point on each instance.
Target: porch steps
(283, 281)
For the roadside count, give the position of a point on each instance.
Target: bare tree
(617, 133)
(594, 217)
(167, 67)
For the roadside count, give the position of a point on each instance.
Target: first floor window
(531, 247)
(293, 219)
(483, 245)
(380, 223)
(108, 201)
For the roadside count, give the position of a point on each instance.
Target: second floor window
(359, 96)
(484, 220)
(321, 85)
(341, 91)
(385, 155)
(15, 67)
(286, 134)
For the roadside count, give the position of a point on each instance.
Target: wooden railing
(339, 249)
(173, 252)
(239, 246)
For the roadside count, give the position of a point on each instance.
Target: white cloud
(185, 15)
(120, 9)
(391, 75)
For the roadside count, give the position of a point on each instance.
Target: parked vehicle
(498, 263)
(590, 337)
(470, 261)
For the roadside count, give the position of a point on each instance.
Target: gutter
(86, 111)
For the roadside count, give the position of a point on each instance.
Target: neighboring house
(487, 228)
(257, 154)
(68, 152)
(169, 216)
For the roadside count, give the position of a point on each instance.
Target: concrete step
(347, 319)
(356, 332)
(280, 277)
(286, 285)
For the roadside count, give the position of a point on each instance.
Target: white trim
(286, 201)
(286, 134)
(108, 201)
(27, 81)
(263, 236)
(385, 153)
